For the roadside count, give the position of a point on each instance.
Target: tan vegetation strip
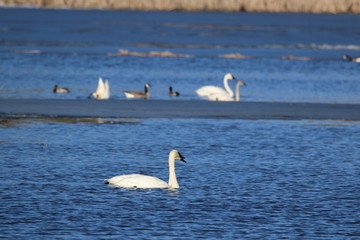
(123, 52)
(308, 6)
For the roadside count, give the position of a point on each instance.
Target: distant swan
(226, 97)
(144, 181)
(237, 94)
(171, 93)
(214, 93)
(103, 90)
(133, 94)
(58, 89)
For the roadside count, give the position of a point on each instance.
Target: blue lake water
(41, 48)
(242, 180)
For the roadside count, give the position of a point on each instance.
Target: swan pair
(145, 181)
(103, 90)
(214, 93)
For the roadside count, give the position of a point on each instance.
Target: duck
(214, 93)
(351, 59)
(173, 94)
(103, 90)
(141, 181)
(58, 89)
(133, 94)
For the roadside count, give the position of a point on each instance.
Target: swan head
(177, 155)
(229, 76)
(241, 83)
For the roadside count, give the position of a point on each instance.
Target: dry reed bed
(308, 6)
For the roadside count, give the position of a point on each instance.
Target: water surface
(243, 179)
(41, 48)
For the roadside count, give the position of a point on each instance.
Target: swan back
(137, 181)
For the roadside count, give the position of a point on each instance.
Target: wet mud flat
(55, 108)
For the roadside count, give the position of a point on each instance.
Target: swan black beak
(182, 158)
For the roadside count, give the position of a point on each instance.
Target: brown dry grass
(310, 6)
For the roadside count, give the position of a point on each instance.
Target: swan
(58, 89)
(214, 93)
(225, 97)
(174, 94)
(133, 94)
(144, 181)
(237, 94)
(103, 90)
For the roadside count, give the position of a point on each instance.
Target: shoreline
(57, 108)
(270, 6)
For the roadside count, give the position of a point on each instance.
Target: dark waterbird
(134, 94)
(350, 59)
(171, 93)
(58, 89)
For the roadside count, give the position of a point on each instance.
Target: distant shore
(274, 6)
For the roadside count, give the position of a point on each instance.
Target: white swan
(144, 181)
(237, 94)
(133, 94)
(214, 93)
(103, 90)
(226, 97)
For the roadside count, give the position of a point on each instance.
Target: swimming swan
(237, 94)
(133, 94)
(144, 181)
(226, 97)
(103, 90)
(58, 89)
(214, 93)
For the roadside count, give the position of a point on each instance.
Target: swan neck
(226, 85)
(173, 183)
(237, 94)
